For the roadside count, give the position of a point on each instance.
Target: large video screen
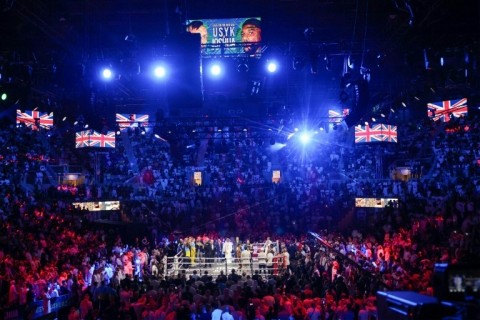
(376, 133)
(131, 120)
(336, 116)
(235, 37)
(35, 119)
(92, 138)
(443, 111)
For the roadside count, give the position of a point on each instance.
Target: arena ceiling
(67, 36)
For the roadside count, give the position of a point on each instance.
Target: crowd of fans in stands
(50, 248)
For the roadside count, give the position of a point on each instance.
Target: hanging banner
(374, 202)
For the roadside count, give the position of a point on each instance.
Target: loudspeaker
(409, 305)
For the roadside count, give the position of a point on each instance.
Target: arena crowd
(49, 248)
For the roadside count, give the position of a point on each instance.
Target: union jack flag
(367, 134)
(125, 121)
(334, 116)
(102, 140)
(389, 133)
(443, 110)
(82, 139)
(35, 119)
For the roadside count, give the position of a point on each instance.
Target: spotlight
(272, 66)
(305, 137)
(107, 73)
(159, 72)
(4, 96)
(215, 69)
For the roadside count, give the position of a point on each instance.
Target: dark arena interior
(255, 159)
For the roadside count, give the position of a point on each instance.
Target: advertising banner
(374, 202)
(35, 309)
(97, 206)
